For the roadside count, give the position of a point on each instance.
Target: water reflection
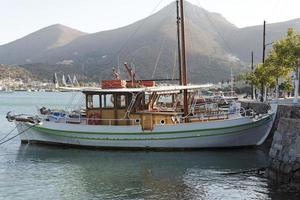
(74, 173)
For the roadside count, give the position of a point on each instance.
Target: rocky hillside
(26, 49)
(14, 71)
(214, 45)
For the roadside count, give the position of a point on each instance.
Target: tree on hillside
(280, 62)
(285, 58)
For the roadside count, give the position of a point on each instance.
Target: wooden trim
(115, 108)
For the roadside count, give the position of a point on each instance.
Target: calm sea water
(44, 172)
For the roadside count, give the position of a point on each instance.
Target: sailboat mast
(231, 81)
(183, 61)
(178, 40)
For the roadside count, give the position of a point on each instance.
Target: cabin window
(89, 100)
(96, 101)
(103, 101)
(107, 101)
(121, 101)
(93, 101)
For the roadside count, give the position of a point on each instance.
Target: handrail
(203, 116)
(110, 121)
(251, 111)
(94, 121)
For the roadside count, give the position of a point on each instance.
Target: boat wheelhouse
(147, 106)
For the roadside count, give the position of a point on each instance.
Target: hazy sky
(21, 17)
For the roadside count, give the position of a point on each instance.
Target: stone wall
(285, 150)
(287, 111)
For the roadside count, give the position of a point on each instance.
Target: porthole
(162, 122)
(137, 121)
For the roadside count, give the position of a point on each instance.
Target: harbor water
(49, 172)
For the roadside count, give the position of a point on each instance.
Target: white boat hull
(243, 131)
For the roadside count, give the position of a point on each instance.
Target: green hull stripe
(43, 129)
(235, 132)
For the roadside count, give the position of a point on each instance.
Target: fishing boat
(141, 114)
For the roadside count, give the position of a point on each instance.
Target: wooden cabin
(132, 106)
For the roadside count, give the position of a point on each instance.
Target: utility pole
(183, 61)
(296, 95)
(263, 60)
(264, 43)
(252, 70)
(178, 40)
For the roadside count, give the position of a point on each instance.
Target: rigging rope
(72, 99)
(5, 141)
(161, 50)
(137, 29)
(175, 64)
(8, 133)
(189, 44)
(217, 30)
(158, 57)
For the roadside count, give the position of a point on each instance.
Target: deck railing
(97, 121)
(219, 114)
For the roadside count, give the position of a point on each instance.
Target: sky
(21, 17)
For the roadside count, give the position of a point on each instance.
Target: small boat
(141, 114)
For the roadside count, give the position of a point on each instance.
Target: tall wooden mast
(178, 42)
(183, 61)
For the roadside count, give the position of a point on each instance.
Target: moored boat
(143, 118)
(141, 114)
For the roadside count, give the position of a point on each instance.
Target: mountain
(214, 45)
(249, 39)
(14, 71)
(26, 49)
(143, 42)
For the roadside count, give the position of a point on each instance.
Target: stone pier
(287, 111)
(284, 160)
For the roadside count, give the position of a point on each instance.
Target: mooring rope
(8, 133)
(5, 141)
